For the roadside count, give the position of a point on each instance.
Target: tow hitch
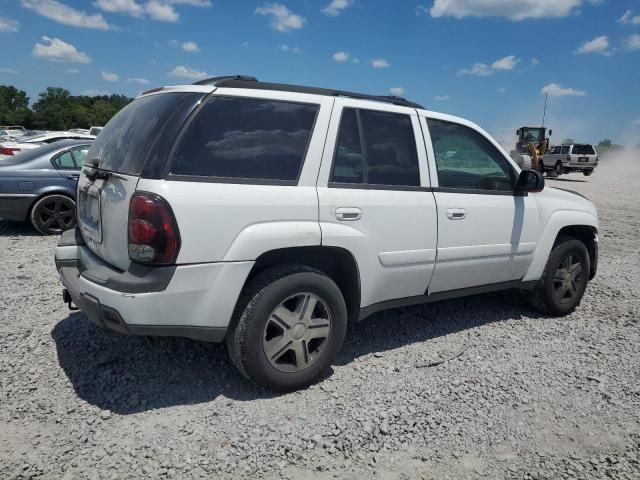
(66, 298)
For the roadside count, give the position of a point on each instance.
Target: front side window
(246, 138)
(376, 148)
(465, 159)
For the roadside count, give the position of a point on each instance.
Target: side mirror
(518, 132)
(550, 132)
(530, 181)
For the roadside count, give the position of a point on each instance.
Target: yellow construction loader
(532, 143)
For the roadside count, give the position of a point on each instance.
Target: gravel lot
(529, 396)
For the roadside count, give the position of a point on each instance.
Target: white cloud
(535, 62)
(483, 70)
(162, 12)
(341, 56)
(632, 42)
(636, 121)
(183, 71)
(397, 91)
(282, 19)
(110, 76)
(287, 48)
(130, 7)
(8, 24)
(72, 71)
(555, 90)
(191, 3)
(511, 9)
(335, 7)
(93, 93)
(598, 45)
(478, 69)
(356, 60)
(190, 47)
(443, 98)
(10, 71)
(61, 13)
(141, 81)
(502, 90)
(629, 18)
(507, 63)
(422, 10)
(379, 63)
(57, 50)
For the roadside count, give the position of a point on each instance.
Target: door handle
(349, 214)
(73, 176)
(456, 213)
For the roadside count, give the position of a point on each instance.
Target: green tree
(568, 141)
(14, 106)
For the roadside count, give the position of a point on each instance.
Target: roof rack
(245, 81)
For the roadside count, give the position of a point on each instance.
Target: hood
(554, 198)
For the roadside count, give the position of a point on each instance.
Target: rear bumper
(193, 301)
(15, 206)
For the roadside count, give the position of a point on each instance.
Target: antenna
(544, 113)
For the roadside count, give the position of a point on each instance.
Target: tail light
(8, 150)
(153, 234)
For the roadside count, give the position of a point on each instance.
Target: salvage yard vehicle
(39, 186)
(270, 216)
(570, 158)
(8, 149)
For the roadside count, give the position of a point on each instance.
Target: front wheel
(564, 280)
(53, 214)
(288, 328)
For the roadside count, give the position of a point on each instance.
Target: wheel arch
(337, 263)
(580, 225)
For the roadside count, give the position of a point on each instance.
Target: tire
(526, 162)
(274, 350)
(586, 173)
(559, 169)
(53, 214)
(551, 294)
(541, 167)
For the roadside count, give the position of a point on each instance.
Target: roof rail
(218, 80)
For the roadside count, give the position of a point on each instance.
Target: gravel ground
(529, 397)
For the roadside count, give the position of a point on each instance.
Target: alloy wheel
(56, 215)
(568, 279)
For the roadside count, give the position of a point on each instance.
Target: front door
(486, 233)
(374, 197)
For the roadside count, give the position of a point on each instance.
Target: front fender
(557, 221)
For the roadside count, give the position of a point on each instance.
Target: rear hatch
(583, 154)
(135, 143)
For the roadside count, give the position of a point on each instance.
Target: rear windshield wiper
(96, 173)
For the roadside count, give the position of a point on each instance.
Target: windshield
(125, 142)
(533, 135)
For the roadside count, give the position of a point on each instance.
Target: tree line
(57, 109)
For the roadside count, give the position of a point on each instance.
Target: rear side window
(246, 138)
(125, 142)
(565, 150)
(65, 161)
(376, 148)
(583, 150)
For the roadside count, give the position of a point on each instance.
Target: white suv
(273, 215)
(570, 158)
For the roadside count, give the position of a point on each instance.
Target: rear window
(125, 142)
(583, 150)
(246, 138)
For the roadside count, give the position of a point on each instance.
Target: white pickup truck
(270, 216)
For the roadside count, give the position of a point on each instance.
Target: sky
(490, 61)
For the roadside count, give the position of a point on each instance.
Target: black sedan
(39, 185)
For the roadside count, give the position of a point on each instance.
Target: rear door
(486, 233)
(135, 142)
(374, 198)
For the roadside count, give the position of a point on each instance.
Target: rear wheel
(564, 281)
(288, 328)
(559, 169)
(586, 173)
(53, 214)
